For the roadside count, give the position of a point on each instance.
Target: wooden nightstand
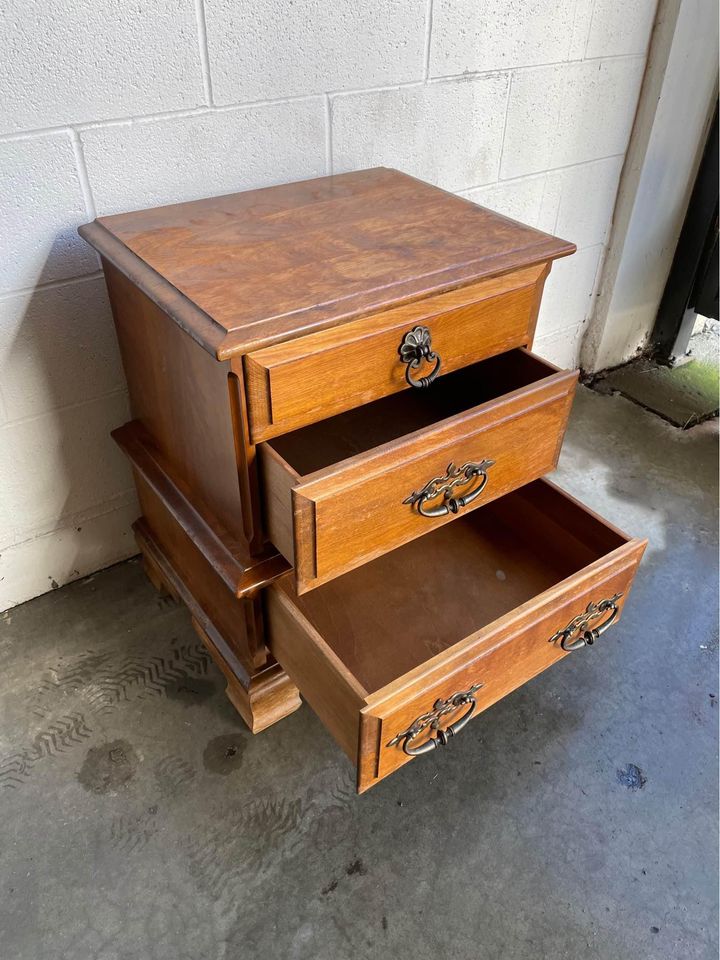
(339, 439)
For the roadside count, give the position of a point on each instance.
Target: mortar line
(83, 175)
(204, 50)
(18, 421)
(336, 94)
(117, 502)
(204, 110)
(590, 26)
(328, 136)
(560, 332)
(539, 173)
(529, 67)
(49, 285)
(428, 36)
(505, 123)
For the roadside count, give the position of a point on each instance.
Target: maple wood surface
(476, 601)
(261, 697)
(203, 531)
(180, 395)
(276, 315)
(253, 268)
(319, 445)
(334, 490)
(425, 596)
(311, 378)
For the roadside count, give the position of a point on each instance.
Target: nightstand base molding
(261, 697)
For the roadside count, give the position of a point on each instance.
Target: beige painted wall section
(523, 105)
(675, 110)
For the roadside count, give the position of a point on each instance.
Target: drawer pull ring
(579, 632)
(432, 720)
(444, 486)
(416, 346)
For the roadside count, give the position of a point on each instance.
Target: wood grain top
(254, 268)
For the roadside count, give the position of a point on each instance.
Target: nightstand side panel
(185, 402)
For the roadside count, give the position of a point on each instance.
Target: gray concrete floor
(575, 819)
(685, 394)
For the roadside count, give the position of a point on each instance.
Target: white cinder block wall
(522, 105)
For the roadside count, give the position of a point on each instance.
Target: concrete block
(619, 27)
(70, 61)
(60, 463)
(587, 200)
(562, 347)
(448, 133)
(41, 205)
(575, 203)
(261, 51)
(135, 165)
(569, 291)
(480, 35)
(531, 200)
(71, 551)
(569, 113)
(57, 347)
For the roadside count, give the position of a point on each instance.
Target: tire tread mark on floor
(173, 773)
(96, 682)
(57, 737)
(131, 833)
(244, 842)
(103, 680)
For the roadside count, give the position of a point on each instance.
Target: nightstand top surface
(248, 269)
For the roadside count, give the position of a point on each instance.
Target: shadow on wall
(67, 498)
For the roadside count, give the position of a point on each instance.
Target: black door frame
(689, 287)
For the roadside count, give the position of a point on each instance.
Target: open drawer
(395, 656)
(348, 489)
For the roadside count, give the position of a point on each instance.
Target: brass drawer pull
(445, 485)
(578, 633)
(432, 720)
(416, 346)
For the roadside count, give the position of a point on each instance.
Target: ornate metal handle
(416, 346)
(432, 720)
(578, 633)
(445, 485)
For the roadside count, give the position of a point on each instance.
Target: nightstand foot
(261, 700)
(271, 695)
(156, 577)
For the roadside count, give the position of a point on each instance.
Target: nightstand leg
(271, 696)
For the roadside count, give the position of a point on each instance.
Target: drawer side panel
(332, 692)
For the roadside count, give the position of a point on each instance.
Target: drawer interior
(394, 613)
(321, 444)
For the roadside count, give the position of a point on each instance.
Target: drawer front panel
(366, 508)
(516, 655)
(302, 381)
